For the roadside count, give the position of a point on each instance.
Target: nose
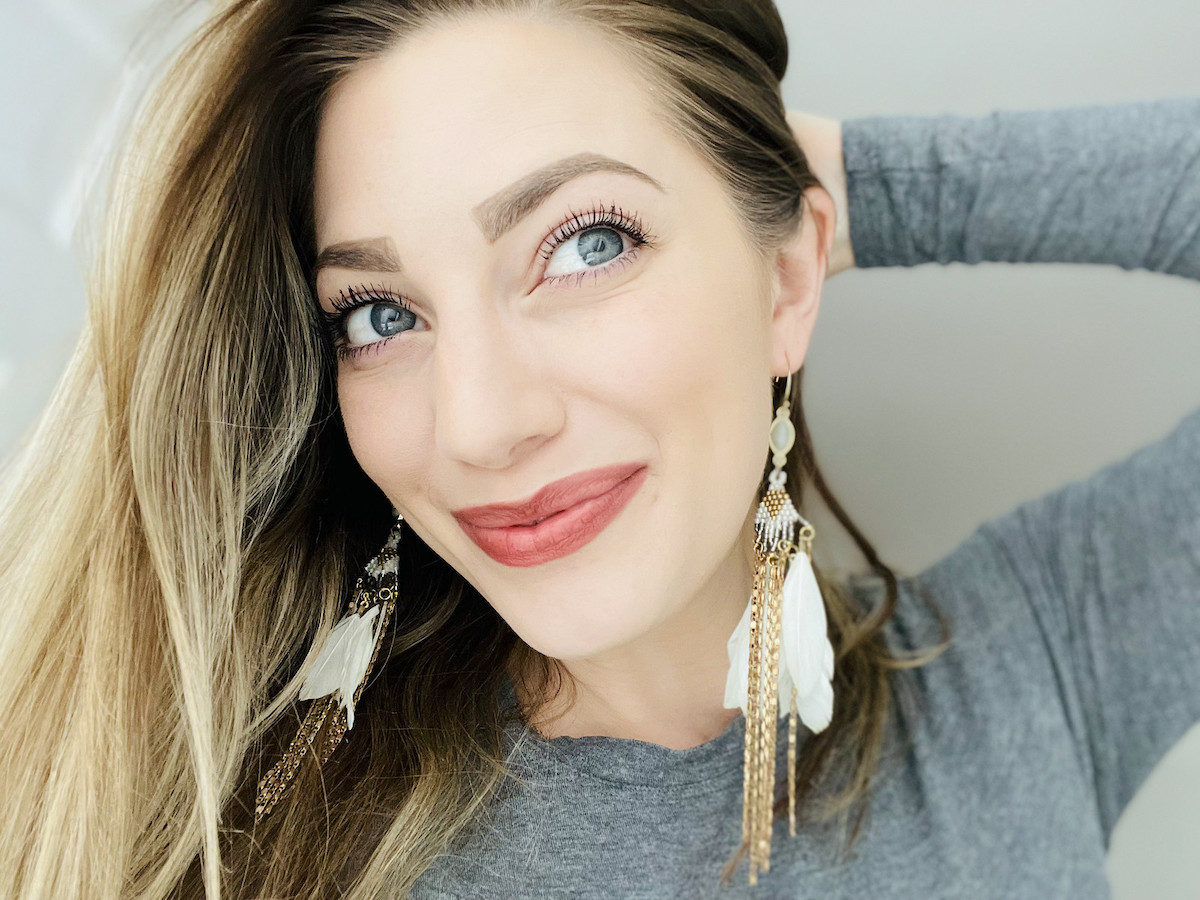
(494, 401)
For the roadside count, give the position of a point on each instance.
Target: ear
(798, 275)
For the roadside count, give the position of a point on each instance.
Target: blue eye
(376, 320)
(592, 247)
(366, 317)
(587, 242)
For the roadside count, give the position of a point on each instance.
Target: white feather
(806, 654)
(343, 660)
(816, 709)
(785, 690)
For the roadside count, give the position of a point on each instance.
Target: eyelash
(613, 216)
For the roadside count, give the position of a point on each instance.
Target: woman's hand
(821, 141)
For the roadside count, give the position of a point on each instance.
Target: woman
(371, 270)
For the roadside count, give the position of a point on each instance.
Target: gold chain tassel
(750, 767)
(273, 785)
(792, 727)
(765, 744)
(763, 712)
(770, 707)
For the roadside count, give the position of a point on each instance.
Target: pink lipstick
(557, 520)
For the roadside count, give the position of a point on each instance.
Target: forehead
(462, 108)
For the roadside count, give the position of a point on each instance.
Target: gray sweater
(1075, 662)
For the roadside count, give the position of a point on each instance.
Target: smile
(531, 533)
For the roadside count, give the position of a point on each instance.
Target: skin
(506, 381)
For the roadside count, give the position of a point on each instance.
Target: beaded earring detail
(780, 648)
(339, 673)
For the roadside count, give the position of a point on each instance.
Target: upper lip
(553, 498)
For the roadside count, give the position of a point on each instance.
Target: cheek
(696, 348)
(687, 360)
(711, 377)
(386, 431)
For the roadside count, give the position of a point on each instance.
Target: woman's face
(578, 295)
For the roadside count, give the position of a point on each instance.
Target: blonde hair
(187, 514)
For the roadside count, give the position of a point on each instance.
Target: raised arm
(1116, 184)
(1108, 565)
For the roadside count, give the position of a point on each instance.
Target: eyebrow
(494, 216)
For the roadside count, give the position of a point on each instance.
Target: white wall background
(939, 397)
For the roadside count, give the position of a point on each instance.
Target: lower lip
(560, 534)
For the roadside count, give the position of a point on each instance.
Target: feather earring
(780, 657)
(338, 675)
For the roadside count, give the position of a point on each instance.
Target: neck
(667, 687)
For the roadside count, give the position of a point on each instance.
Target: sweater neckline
(630, 761)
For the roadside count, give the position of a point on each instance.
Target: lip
(554, 497)
(574, 511)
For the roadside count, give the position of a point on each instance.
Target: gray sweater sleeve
(1109, 565)
(1116, 184)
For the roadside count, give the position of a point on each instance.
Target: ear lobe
(799, 275)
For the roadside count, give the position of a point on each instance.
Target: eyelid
(362, 295)
(576, 221)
